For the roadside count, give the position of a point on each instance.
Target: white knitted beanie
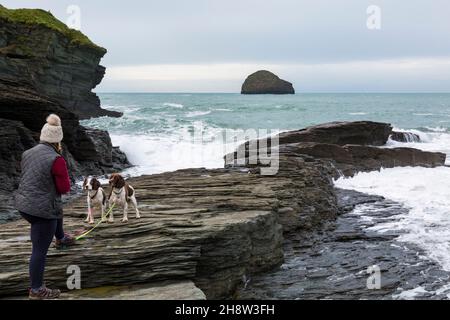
(52, 131)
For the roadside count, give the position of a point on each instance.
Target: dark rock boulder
(349, 147)
(39, 51)
(404, 136)
(265, 82)
(15, 138)
(350, 159)
(341, 133)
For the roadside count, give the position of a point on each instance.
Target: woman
(44, 178)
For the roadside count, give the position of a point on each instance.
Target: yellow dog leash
(93, 228)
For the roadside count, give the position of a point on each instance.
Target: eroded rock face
(341, 133)
(39, 57)
(15, 138)
(265, 82)
(351, 159)
(349, 147)
(23, 112)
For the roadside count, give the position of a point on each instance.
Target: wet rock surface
(332, 263)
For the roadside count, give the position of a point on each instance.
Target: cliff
(40, 52)
(265, 82)
(47, 68)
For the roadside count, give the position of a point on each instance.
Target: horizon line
(297, 93)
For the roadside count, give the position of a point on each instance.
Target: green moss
(46, 19)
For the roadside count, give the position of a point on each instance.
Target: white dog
(121, 194)
(96, 198)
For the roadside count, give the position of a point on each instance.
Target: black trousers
(42, 233)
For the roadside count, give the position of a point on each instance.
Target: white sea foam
(425, 192)
(197, 114)
(173, 105)
(357, 113)
(438, 140)
(222, 109)
(410, 294)
(155, 154)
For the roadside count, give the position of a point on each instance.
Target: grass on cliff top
(46, 19)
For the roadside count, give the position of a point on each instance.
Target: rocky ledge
(208, 230)
(265, 82)
(50, 70)
(350, 147)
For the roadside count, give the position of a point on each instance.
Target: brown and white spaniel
(121, 194)
(96, 198)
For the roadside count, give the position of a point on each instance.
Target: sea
(159, 132)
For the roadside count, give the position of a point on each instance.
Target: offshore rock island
(265, 82)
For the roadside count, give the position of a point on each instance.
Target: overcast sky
(212, 45)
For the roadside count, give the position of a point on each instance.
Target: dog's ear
(120, 181)
(85, 182)
(112, 178)
(95, 184)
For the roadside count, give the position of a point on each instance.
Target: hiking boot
(65, 242)
(43, 294)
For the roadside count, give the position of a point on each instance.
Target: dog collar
(92, 197)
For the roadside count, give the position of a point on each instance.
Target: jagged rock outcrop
(351, 159)
(265, 82)
(341, 133)
(40, 52)
(87, 151)
(350, 147)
